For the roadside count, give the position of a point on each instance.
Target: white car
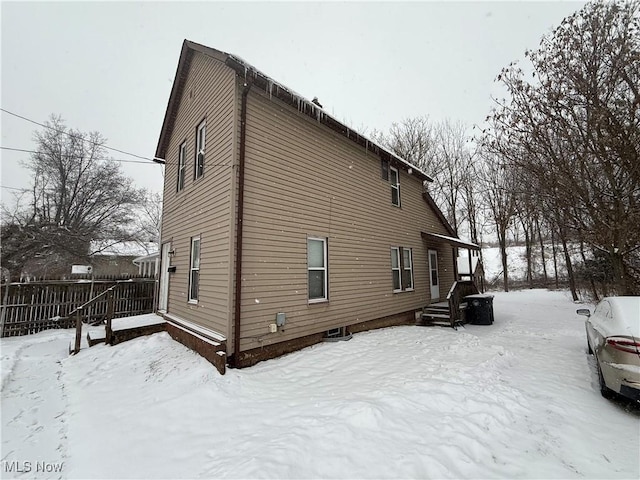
(613, 336)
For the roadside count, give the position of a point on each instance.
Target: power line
(74, 136)
(223, 164)
(14, 188)
(113, 159)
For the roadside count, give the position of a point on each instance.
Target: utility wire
(223, 164)
(113, 159)
(74, 136)
(14, 188)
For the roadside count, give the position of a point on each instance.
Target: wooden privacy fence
(36, 306)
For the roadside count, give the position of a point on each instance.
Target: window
(317, 267)
(407, 269)
(384, 166)
(395, 269)
(194, 270)
(394, 177)
(182, 154)
(201, 133)
(402, 269)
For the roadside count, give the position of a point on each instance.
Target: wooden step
(437, 307)
(95, 338)
(433, 323)
(436, 315)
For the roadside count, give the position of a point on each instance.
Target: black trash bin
(479, 309)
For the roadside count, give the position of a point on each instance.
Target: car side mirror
(584, 311)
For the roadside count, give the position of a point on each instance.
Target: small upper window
(182, 154)
(201, 133)
(394, 178)
(384, 166)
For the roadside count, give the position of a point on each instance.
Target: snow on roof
(122, 249)
(147, 258)
(454, 240)
(242, 67)
(320, 112)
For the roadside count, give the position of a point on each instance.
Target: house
(281, 225)
(113, 258)
(108, 259)
(148, 264)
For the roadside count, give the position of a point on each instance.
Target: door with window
(434, 280)
(163, 294)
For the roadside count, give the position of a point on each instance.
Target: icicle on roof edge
(249, 67)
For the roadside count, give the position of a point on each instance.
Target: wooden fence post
(78, 330)
(108, 331)
(4, 306)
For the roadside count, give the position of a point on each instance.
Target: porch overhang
(456, 242)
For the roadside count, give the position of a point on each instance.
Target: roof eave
(283, 93)
(455, 241)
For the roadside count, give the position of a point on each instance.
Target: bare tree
(471, 197)
(574, 129)
(147, 224)
(499, 185)
(442, 150)
(78, 196)
(413, 140)
(453, 163)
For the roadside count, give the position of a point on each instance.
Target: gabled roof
(252, 75)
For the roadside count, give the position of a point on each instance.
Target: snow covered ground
(517, 262)
(517, 399)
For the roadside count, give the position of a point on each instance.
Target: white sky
(109, 66)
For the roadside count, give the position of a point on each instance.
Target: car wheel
(605, 391)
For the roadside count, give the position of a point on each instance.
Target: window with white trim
(182, 158)
(201, 133)
(395, 269)
(407, 269)
(194, 270)
(317, 269)
(402, 269)
(394, 179)
(384, 167)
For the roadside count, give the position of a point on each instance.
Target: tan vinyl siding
(303, 180)
(203, 207)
